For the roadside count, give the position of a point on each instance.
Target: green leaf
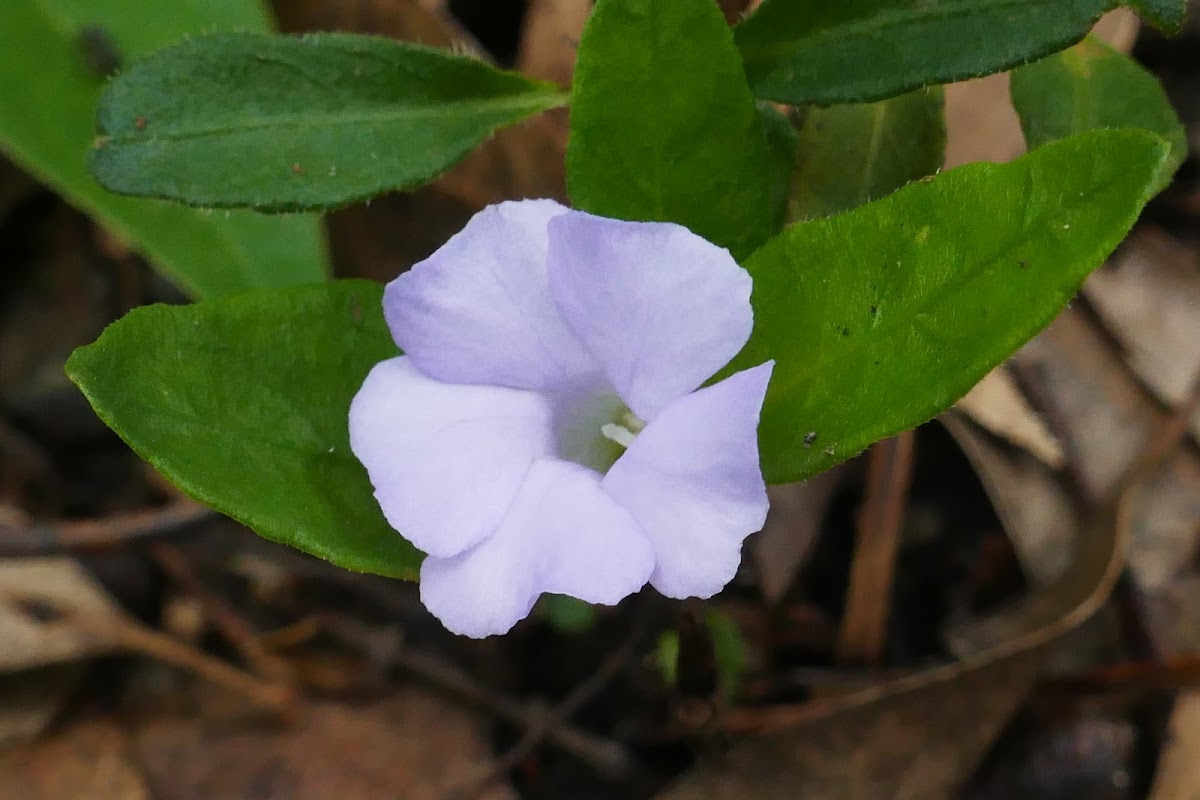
(282, 123)
(882, 317)
(859, 50)
(663, 126)
(1167, 15)
(51, 52)
(850, 154)
(783, 142)
(567, 615)
(243, 403)
(1090, 87)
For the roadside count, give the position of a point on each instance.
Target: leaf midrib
(333, 120)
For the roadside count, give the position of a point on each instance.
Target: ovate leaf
(860, 50)
(243, 403)
(1090, 87)
(284, 122)
(663, 126)
(53, 58)
(850, 154)
(1165, 14)
(881, 317)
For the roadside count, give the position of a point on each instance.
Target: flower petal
(659, 307)
(563, 534)
(479, 310)
(446, 460)
(692, 481)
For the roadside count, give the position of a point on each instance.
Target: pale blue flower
(545, 431)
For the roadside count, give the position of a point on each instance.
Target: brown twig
(869, 596)
(548, 721)
(606, 757)
(235, 629)
(1180, 672)
(119, 632)
(136, 638)
(97, 534)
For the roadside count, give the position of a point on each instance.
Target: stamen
(617, 433)
(631, 423)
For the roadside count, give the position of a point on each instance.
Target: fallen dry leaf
(981, 123)
(88, 761)
(998, 405)
(35, 630)
(1178, 775)
(413, 746)
(1149, 298)
(1106, 416)
(551, 38)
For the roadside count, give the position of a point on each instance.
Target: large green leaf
(243, 403)
(1090, 87)
(850, 154)
(285, 122)
(663, 126)
(1165, 14)
(881, 317)
(48, 98)
(859, 50)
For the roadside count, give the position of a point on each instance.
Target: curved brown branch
(49, 538)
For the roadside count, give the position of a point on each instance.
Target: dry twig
(606, 757)
(880, 524)
(547, 721)
(236, 630)
(52, 538)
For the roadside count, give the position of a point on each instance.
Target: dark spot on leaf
(140, 123)
(874, 311)
(845, 331)
(1023, 264)
(809, 438)
(98, 51)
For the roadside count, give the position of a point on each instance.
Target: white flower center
(592, 426)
